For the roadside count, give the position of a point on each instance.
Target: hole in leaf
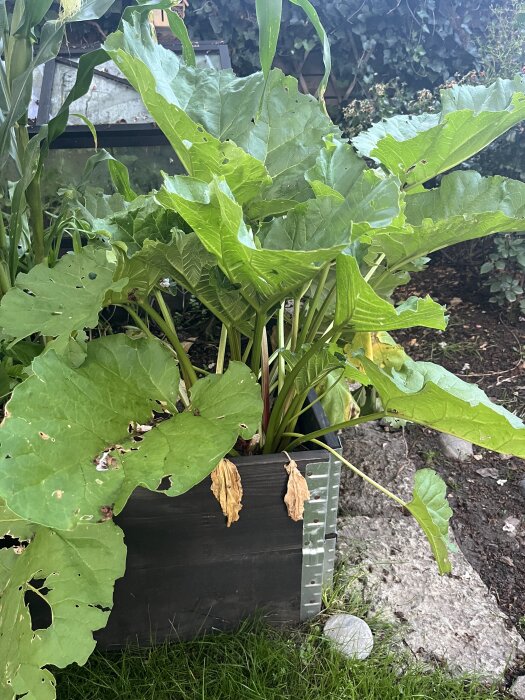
(39, 609)
(8, 542)
(101, 607)
(92, 275)
(165, 484)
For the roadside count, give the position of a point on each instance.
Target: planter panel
(188, 574)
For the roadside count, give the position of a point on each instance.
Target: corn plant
(294, 239)
(28, 39)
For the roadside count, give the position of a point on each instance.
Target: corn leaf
(269, 20)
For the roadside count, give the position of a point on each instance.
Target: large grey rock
(450, 619)
(351, 635)
(455, 448)
(383, 457)
(517, 689)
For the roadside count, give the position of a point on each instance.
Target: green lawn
(259, 663)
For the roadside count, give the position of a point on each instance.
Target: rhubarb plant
(294, 240)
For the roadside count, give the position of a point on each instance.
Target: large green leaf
(74, 572)
(147, 66)
(264, 276)
(485, 204)
(312, 225)
(430, 508)
(338, 167)
(186, 448)
(185, 260)
(359, 308)
(287, 133)
(465, 206)
(67, 445)
(284, 129)
(57, 301)
(417, 149)
(425, 393)
(371, 202)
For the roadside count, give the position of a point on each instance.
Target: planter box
(187, 573)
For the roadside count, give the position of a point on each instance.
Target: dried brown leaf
(226, 486)
(297, 492)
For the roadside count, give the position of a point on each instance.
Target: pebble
(455, 448)
(351, 635)
(511, 525)
(522, 487)
(488, 472)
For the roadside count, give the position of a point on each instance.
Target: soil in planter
(480, 345)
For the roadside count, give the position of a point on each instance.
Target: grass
(261, 663)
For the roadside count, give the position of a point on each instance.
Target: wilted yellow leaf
(379, 347)
(226, 486)
(297, 492)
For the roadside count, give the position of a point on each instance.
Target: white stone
(455, 448)
(517, 689)
(351, 635)
(449, 619)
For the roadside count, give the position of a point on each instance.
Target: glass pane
(65, 166)
(109, 100)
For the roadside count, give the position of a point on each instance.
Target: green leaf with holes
(465, 206)
(430, 508)
(69, 448)
(186, 448)
(71, 575)
(417, 148)
(57, 301)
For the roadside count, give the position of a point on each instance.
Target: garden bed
(480, 345)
